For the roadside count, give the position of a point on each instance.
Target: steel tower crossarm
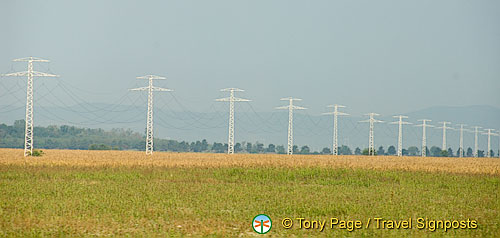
(28, 135)
(231, 99)
(149, 117)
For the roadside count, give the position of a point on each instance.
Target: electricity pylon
(498, 134)
(400, 134)
(489, 133)
(231, 99)
(476, 145)
(424, 136)
(371, 136)
(28, 135)
(290, 108)
(150, 88)
(444, 127)
(461, 145)
(335, 114)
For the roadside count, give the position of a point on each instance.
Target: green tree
(344, 150)
(469, 152)
(237, 148)
(259, 147)
(381, 150)
(280, 149)
(450, 152)
(305, 150)
(326, 151)
(435, 151)
(218, 147)
(391, 150)
(413, 151)
(271, 148)
(249, 147)
(367, 152)
(204, 145)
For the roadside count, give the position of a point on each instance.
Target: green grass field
(54, 200)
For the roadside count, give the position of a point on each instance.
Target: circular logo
(262, 223)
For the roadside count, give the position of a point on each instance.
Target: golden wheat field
(73, 193)
(163, 159)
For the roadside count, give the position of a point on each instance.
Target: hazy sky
(382, 56)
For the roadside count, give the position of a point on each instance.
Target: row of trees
(70, 137)
(433, 151)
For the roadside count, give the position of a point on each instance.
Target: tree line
(71, 137)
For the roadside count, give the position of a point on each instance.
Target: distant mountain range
(266, 127)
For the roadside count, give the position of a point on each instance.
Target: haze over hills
(266, 127)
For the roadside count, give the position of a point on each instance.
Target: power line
(99, 119)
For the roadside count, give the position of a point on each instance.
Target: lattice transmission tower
(489, 133)
(476, 145)
(424, 125)
(290, 108)
(231, 99)
(444, 127)
(371, 136)
(498, 151)
(461, 151)
(400, 122)
(335, 113)
(28, 135)
(149, 117)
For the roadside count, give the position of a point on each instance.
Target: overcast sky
(382, 56)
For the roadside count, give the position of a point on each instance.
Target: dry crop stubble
(125, 193)
(84, 158)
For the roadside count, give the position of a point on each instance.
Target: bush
(367, 152)
(37, 153)
(99, 147)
